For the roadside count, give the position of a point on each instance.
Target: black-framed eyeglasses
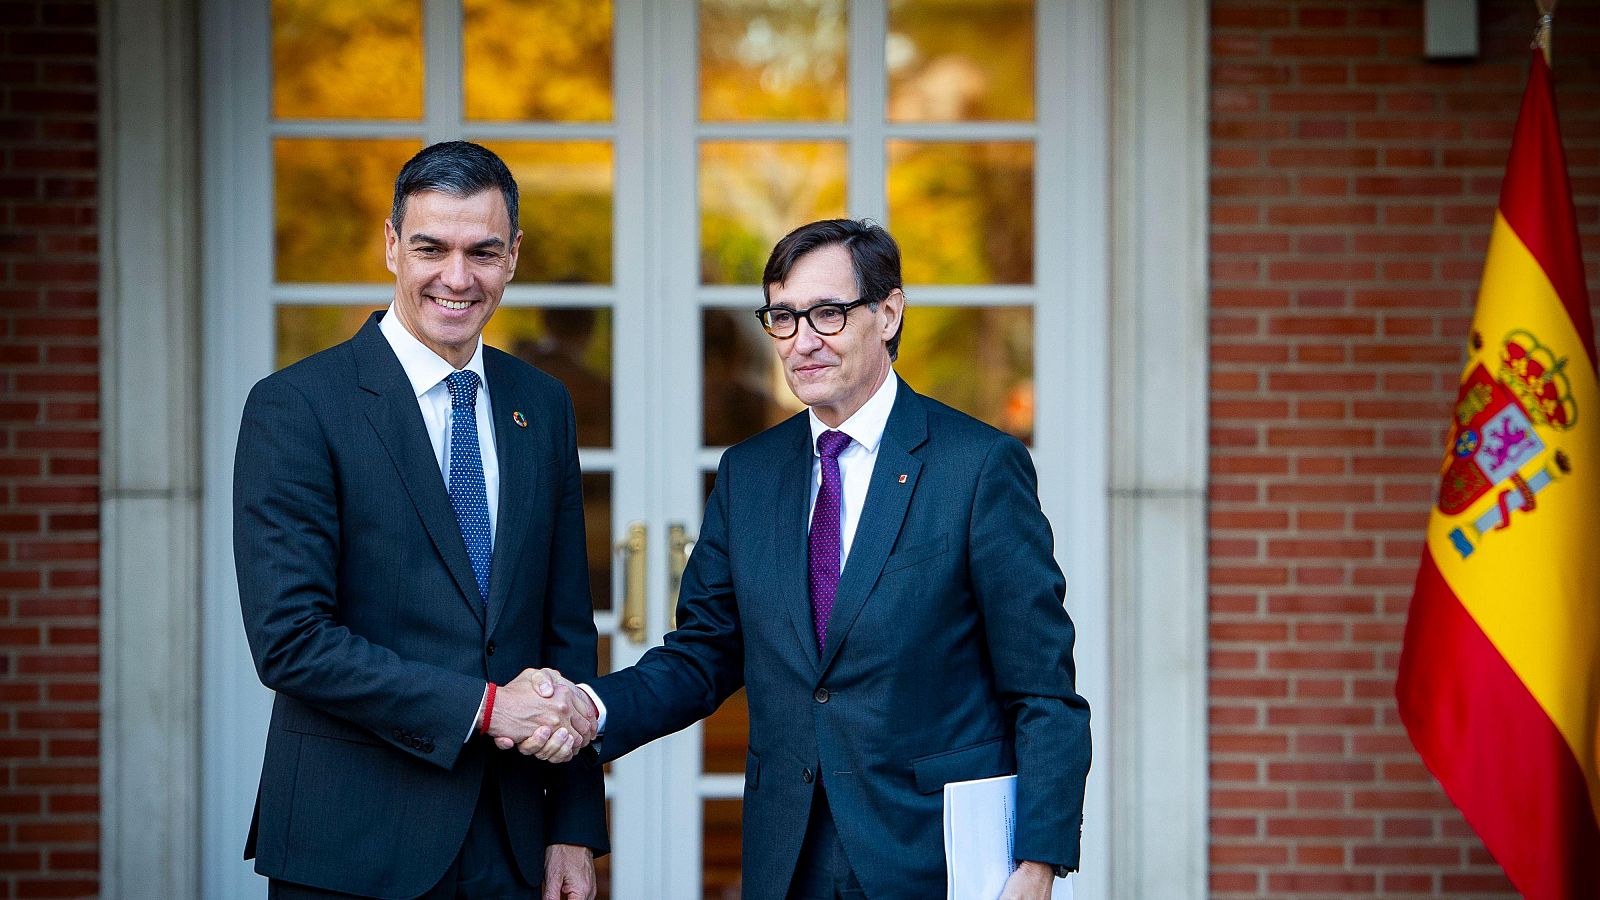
(826, 318)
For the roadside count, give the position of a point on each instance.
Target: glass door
(920, 114)
(324, 104)
(662, 147)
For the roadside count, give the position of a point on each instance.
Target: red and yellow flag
(1499, 681)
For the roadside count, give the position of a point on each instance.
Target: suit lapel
(398, 421)
(883, 513)
(789, 534)
(515, 448)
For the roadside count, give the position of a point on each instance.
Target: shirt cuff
(477, 717)
(600, 708)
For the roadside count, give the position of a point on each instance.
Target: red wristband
(488, 708)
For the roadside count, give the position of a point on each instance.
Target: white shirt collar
(424, 368)
(866, 426)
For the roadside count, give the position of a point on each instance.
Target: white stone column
(150, 484)
(1159, 392)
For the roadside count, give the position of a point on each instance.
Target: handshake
(542, 714)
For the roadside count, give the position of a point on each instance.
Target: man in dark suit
(408, 531)
(877, 574)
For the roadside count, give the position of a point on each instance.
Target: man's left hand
(568, 872)
(1031, 881)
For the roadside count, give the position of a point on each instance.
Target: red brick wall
(49, 452)
(1353, 185)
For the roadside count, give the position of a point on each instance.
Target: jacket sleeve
(575, 803)
(698, 665)
(1020, 591)
(286, 552)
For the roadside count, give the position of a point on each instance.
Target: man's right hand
(543, 715)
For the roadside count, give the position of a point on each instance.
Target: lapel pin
(522, 422)
(902, 479)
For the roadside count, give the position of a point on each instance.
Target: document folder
(980, 819)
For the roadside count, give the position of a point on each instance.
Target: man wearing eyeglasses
(878, 575)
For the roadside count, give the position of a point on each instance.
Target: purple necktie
(826, 538)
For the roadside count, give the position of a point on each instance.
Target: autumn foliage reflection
(354, 59)
(537, 60)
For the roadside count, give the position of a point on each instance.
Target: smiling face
(451, 259)
(834, 374)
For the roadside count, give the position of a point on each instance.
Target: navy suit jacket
(363, 615)
(948, 655)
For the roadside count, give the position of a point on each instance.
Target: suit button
(820, 695)
(806, 776)
(489, 649)
(427, 746)
(399, 735)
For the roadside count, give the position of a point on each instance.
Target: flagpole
(1541, 36)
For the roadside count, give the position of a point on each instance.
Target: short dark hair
(874, 257)
(457, 168)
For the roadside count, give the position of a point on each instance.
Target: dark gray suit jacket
(363, 614)
(949, 655)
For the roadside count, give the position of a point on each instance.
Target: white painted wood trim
(1158, 461)
(237, 348)
(149, 513)
(1072, 366)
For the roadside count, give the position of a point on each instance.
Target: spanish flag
(1499, 681)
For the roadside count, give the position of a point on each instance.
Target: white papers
(980, 820)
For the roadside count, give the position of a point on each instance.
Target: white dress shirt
(427, 371)
(856, 462)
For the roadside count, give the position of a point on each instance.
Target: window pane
(978, 360)
(572, 344)
(304, 330)
(330, 198)
(768, 60)
(737, 378)
(960, 60)
(726, 735)
(537, 60)
(597, 534)
(963, 212)
(356, 59)
(720, 849)
(565, 190)
(754, 192)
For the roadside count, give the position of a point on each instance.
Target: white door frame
(168, 829)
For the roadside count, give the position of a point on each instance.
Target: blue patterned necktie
(827, 540)
(467, 493)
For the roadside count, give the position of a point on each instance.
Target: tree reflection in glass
(754, 192)
(537, 60)
(773, 60)
(960, 61)
(330, 197)
(355, 59)
(565, 209)
(977, 359)
(963, 212)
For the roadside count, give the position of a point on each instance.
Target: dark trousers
(823, 871)
(483, 870)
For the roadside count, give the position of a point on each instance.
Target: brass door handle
(634, 564)
(679, 546)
